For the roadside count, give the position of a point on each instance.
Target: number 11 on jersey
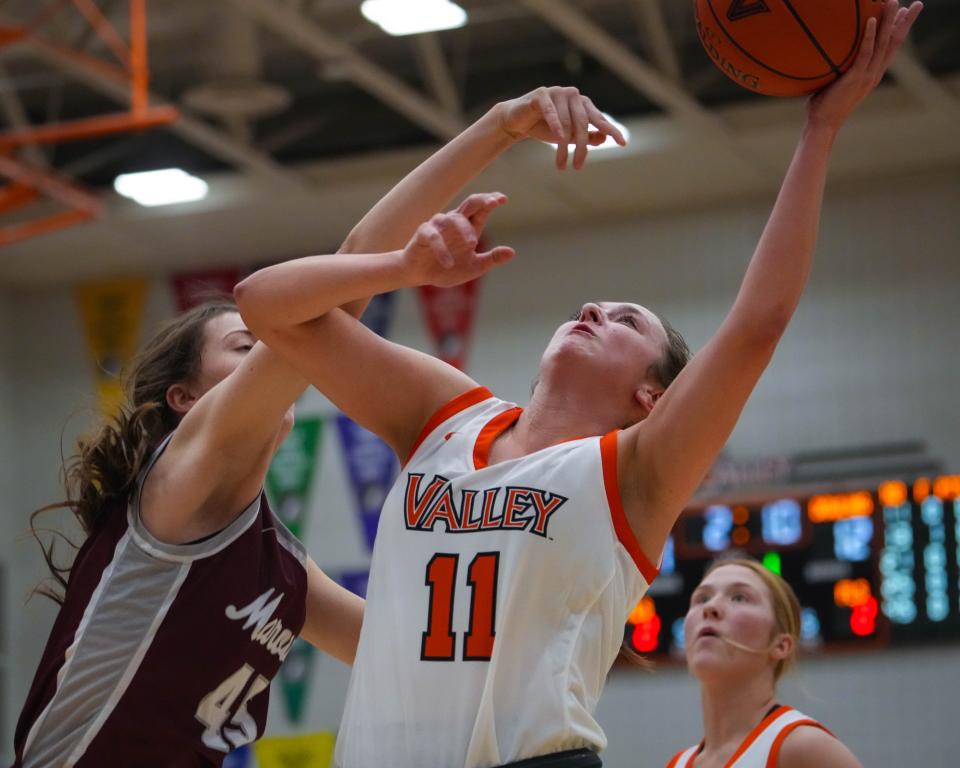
(440, 641)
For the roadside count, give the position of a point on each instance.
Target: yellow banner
(111, 311)
(311, 750)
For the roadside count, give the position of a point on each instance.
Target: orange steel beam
(50, 184)
(87, 128)
(42, 226)
(29, 182)
(104, 29)
(15, 195)
(138, 56)
(12, 34)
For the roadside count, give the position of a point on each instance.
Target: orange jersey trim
(774, 754)
(493, 429)
(752, 736)
(444, 412)
(611, 483)
(676, 759)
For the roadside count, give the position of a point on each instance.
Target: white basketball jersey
(761, 748)
(496, 603)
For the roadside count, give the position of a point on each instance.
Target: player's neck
(731, 709)
(551, 420)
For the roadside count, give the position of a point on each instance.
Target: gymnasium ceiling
(344, 110)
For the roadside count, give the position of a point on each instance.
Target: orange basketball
(783, 47)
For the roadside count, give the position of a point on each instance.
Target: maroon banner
(449, 314)
(192, 288)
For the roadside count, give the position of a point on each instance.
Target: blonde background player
(741, 634)
(515, 542)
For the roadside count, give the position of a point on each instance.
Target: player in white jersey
(515, 543)
(741, 634)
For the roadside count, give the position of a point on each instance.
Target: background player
(742, 631)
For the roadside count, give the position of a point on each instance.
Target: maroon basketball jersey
(161, 654)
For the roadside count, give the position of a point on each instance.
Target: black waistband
(574, 758)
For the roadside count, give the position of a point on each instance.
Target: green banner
(294, 678)
(290, 476)
(289, 482)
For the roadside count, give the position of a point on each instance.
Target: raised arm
(664, 458)
(556, 114)
(280, 302)
(389, 389)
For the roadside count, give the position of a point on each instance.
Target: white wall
(892, 709)
(870, 357)
(9, 509)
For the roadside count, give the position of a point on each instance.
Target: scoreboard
(872, 566)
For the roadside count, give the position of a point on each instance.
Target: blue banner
(372, 467)
(356, 581)
(239, 758)
(378, 313)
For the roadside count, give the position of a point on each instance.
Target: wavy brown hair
(104, 469)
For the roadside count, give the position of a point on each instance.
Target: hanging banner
(192, 288)
(449, 315)
(111, 312)
(295, 678)
(379, 313)
(241, 757)
(372, 467)
(311, 750)
(356, 582)
(291, 472)
(289, 481)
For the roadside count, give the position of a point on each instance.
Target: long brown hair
(104, 469)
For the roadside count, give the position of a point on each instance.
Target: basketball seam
(812, 37)
(857, 38)
(752, 58)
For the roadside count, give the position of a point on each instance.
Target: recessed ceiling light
(411, 17)
(163, 187)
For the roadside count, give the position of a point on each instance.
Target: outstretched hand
(443, 251)
(834, 104)
(561, 116)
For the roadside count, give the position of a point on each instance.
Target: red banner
(192, 288)
(449, 314)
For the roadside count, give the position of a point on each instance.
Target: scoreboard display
(874, 566)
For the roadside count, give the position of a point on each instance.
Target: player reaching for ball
(515, 542)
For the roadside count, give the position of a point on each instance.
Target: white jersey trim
(183, 553)
(131, 669)
(69, 654)
(761, 747)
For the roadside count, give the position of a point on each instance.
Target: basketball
(783, 47)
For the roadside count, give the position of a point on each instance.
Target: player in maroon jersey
(187, 593)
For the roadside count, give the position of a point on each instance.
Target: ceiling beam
(311, 38)
(16, 115)
(434, 66)
(192, 129)
(654, 28)
(912, 75)
(669, 96)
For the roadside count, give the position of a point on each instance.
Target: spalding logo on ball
(784, 47)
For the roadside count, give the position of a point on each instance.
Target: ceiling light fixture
(411, 17)
(163, 187)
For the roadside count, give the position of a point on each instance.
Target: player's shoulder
(811, 746)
